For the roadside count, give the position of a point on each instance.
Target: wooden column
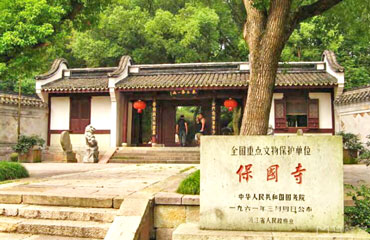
(124, 120)
(214, 116)
(154, 121)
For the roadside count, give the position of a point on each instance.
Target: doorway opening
(190, 114)
(230, 121)
(142, 127)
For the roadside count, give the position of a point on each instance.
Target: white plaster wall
(78, 140)
(272, 111)
(59, 113)
(355, 118)
(325, 111)
(100, 112)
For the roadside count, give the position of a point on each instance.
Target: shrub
(359, 215)
(365, 157)
(14, 157)
(191, 184)
(25, 143)
(365, 154)
(11, 170)
(351, 141)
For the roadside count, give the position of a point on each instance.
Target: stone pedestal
(70, 157)
(191, 231)
(91, 156)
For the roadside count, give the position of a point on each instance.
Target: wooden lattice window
(280, 114)
(80, 114)
(297, 111)
(313, 113)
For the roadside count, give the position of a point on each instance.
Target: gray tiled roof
(233, 79)
(361, 94)
(12, 99)
(77, 84)
(170, 76)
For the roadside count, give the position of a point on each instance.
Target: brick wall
(34, 120)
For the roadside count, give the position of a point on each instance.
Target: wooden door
(168, 122)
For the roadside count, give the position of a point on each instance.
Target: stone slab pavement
(112, 180)
(357, 174)
(93, 180)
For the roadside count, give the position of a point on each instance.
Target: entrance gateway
(104, 98)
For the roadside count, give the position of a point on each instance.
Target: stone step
(58, 213)
(19, 236)
(175, 154)
(153, 161)
(55, 200)
(158, 154)
(157, 157)
(65, 228)
(158, 149)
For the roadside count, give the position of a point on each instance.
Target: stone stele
(65, 142)
(272, 183)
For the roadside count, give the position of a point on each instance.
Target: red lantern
(140, 106)
(230, 104)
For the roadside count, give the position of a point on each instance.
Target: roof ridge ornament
(125, 60)
(54, 68)
(332, 61)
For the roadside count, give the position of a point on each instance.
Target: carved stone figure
(65, 141)
(92, 153)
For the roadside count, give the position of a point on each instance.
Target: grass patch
(12, 170)
(191, 184)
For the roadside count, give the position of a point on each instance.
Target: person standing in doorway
(182, 130)
(200, 127)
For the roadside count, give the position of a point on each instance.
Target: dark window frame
(78, 125)
(313, 118)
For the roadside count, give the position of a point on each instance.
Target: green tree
(159, 33)
(268, 26)
(34, 32)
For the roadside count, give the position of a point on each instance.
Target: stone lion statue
(92, 149)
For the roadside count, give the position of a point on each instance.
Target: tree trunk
(266, 36)
(260, 91)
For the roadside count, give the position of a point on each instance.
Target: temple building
(105, 98)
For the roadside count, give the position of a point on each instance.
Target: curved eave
(54, 68)
(125, 60)
(332, 61)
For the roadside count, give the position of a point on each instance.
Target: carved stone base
(70, 157)
(91, 156)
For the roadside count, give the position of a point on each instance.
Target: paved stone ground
(116, 180)
(77, 179)
(357, 174)
(97, 180)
